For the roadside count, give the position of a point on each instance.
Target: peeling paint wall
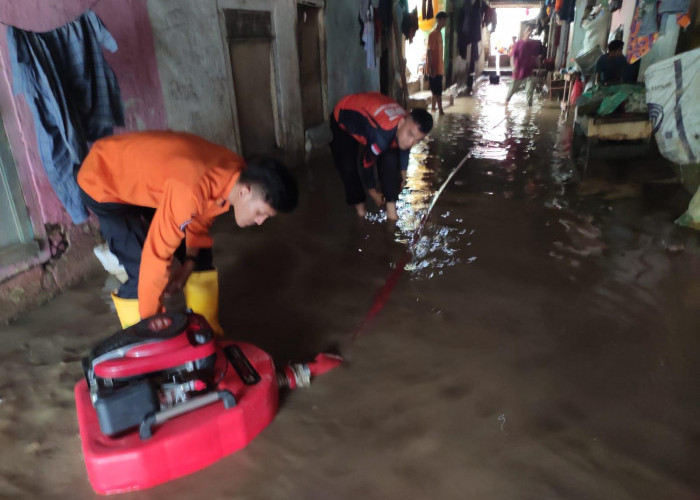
(135, 66)
(192, 68)
(133, 63)
(347, 68)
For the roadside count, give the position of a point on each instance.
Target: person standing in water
(435, 61)
(527, 56)
(388, 133)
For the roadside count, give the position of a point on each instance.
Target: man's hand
(391, 213)
(376, 196)
(178, 278)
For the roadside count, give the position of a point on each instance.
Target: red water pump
(164, 398)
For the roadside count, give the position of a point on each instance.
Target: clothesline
(90, 7)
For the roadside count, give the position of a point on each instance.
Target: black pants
(436, 85)
(345, 148)
(124, 228)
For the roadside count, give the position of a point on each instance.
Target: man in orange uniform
(388, 133)
(435, 61)
(152, 190)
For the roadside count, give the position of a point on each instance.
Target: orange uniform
(372, 119)
(184, 177)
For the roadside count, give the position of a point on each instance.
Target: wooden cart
(615, 136)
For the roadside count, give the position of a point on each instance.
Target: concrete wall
(194, 67)
(347, 70)
(578, 32)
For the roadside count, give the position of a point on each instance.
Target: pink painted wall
(623, 16)
(134, 64)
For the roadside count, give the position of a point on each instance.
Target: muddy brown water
(541, 343)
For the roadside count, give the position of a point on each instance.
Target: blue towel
(674, 6)
(73, 95)
(647, 15)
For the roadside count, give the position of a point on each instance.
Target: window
(16, 235)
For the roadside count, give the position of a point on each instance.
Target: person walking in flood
(527, 56)
(435, 61)
(388, 133)
(156, 194)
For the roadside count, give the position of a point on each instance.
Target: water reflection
(438, 248)
(509, 146)
(433, 246)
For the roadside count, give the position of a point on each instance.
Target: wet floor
(540, 343)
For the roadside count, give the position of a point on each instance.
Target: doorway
(310, 68)
(251, 49)
(17, 237)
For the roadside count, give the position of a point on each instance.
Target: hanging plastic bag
(576, 91)
(673, 87)
(691, 217)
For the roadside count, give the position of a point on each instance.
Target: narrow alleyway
(542, 341)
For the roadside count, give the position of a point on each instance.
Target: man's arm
(196, 237)
(164, 237)
(429, 57)
(403, 159)
(403, 162)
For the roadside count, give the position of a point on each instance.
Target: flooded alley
(521, 332)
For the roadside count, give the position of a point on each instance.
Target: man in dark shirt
(612, 68)
(388, 133)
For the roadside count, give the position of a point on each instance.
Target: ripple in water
(437, 250)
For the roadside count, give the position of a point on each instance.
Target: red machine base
(186, 443)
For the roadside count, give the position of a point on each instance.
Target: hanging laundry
(362, 16)
(409, 24)
(638, 45)
(489, 18)
(366, 18)
(377, 25)
(595, 25)
(683, 20)
(615, 5)
(542, 21)
(73, 95)
(427, 10)
(470, 27)
(674, 6)
(647, 18)
(678, 7)
(385, 13)
(567, 10)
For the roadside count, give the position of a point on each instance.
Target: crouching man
(156, 194)
(388, 133)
